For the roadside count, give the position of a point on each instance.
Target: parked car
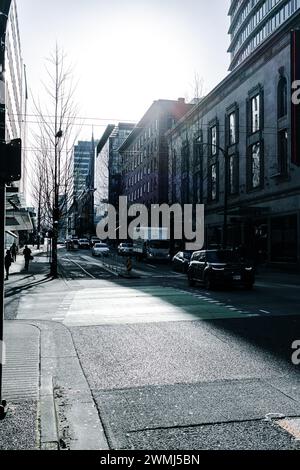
(100, 249)
(125, 249)
(94, 240)
(181, 261)
(83, 243)
(220, 268)
(72, 244)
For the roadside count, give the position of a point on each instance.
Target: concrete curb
(69, 417)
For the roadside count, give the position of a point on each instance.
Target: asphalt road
(176, 367)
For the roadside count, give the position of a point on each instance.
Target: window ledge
(283, 176)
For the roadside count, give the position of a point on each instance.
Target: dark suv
(220, 268)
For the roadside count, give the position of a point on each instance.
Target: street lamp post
(53, 270)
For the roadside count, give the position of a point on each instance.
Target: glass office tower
(254, 21)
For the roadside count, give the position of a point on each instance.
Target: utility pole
(3, 24)
(39, 218)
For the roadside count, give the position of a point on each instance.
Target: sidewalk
(21, 281)
(50, 403)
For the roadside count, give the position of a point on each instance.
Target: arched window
(282, 97)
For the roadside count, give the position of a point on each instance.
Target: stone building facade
(247, 120)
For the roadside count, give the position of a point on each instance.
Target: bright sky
(126, 53)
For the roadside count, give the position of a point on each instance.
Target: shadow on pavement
(25, 287)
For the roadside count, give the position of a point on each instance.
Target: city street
(173, 367)
(149, 228)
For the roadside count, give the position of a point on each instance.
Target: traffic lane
(143, 268)
(74, 267)
(267, 298)
(151, 380)
(264, 299)
(132, 355)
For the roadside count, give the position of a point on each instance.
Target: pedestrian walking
(14, 251)
(7, 263)
(27, 257)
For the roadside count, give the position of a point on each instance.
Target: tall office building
(17, 217)
(83, 155)
(108, 167)
(253, 22)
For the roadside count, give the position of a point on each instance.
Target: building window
(232, 128)
(283, 152)
(185, 158)
(185, 197)
(198, 189)
(255, 114)
(213, 182)
(256, 166)
(198, 151)
(282, 97)
(213, 140)
(233, 174)
(174, 174)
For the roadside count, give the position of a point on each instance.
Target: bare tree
(54, 139)
(196, 92)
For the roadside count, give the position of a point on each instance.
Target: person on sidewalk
(7, 263)
(27, 257)
(14, 251)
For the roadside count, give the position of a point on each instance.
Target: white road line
(264, 311)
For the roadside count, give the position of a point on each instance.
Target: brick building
(145, 153)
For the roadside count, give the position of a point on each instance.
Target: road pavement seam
(195, 425)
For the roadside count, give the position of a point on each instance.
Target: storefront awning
(17, 217)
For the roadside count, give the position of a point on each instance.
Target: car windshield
(127, 245)
(101, 245)
(187, 254)
(222, 256)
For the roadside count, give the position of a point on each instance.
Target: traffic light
(10, 161)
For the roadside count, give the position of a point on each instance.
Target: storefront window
(284, 239)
